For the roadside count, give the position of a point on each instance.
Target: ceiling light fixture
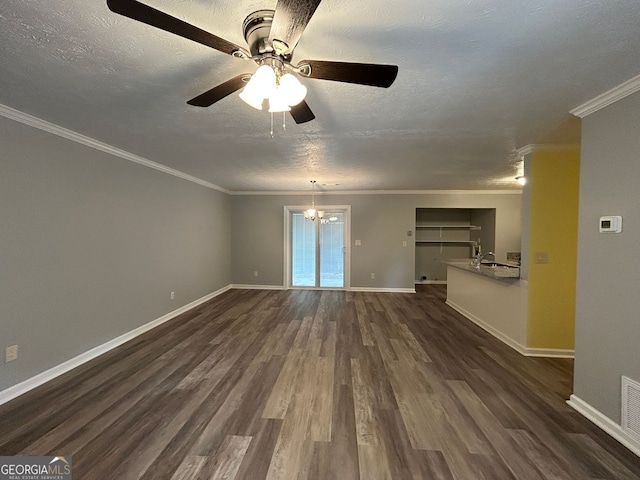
(269, 83)
(312, 213)
(521, 179)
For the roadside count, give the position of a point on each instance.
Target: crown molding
(607, 98)
(45, 126)
(379, 192)
(48, 127)
(543, 147)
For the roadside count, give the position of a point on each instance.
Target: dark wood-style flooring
(316, 385)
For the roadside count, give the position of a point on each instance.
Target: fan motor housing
(256, 28)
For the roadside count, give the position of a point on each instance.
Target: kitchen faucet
(478, 260)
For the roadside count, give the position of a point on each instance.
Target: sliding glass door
(317, 253)
(304, 251)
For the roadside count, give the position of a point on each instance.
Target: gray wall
(486, 219)
(91, 246)
(380, 221)
(607, 301)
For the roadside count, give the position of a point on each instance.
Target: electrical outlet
(255, 273)
(173, 295)
(373, 276)
(358, 243)
(404, 243)
(11, 354)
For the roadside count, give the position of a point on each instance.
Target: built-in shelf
(465, 242)
(443, 234)
(460, 227)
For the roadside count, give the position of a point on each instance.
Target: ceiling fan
(271, 36)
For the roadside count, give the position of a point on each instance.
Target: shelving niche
(444, 234)
(449, 233)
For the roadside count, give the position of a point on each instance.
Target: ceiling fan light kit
(271, 36)
(282, 91)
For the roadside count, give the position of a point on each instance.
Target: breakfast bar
(492, 296)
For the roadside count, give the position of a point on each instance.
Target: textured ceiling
(477, 79)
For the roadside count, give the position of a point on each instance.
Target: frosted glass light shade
(278, 101)
(312, 214)
(295, 91)
(265, 80)
(261, 85)
(251, 96)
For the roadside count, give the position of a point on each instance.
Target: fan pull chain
(284, 122)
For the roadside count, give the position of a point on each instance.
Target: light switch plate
(542, 257)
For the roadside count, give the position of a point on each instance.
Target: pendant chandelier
(312, 213)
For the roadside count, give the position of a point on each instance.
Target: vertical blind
(314, 245)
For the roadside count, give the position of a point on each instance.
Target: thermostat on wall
(611, 224)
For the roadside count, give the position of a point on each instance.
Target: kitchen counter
(498, 271)
(496, 303)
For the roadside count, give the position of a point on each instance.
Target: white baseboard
(518, 347)
(37, 380)
(350, 289)
(485, 326)
(549, 352)
(604, 422)
(431, 282)
(240, 286)
(382, 290)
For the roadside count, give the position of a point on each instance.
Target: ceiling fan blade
(301, 113)
(289, 21)
(217, 93)
(149, 15)
(374, 75)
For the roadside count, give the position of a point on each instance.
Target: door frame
(288, 209)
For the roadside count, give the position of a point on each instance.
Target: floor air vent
(631, 407)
